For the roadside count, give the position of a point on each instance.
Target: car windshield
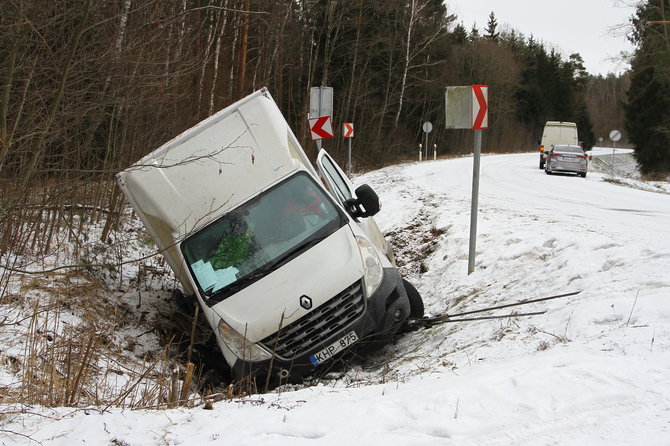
(260, 236)
(568, 149)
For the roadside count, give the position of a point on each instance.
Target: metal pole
(349, 159)
(475, 201)
(318, 141)
(612, 163)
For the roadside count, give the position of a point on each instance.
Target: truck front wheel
(415, 300)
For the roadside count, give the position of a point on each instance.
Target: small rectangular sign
(321, 127)
(458, 110)
(348, 129)
(480, 107)
(320, 101)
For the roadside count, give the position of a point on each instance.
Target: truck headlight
(374, 273)
(241, 346)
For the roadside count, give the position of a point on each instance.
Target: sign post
(427, 128)
(348, 132)
(615, 135)
(320, 105)
(467, 108)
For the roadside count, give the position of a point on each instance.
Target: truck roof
(560, 124)
(212, 168)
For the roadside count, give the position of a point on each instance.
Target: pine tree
(459, 35)
(647, 112)
(474, 33)
(491, 27)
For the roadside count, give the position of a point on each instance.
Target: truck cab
(284, 259)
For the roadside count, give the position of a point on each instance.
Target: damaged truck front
(289, 268)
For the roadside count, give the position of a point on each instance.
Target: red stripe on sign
(481, 121)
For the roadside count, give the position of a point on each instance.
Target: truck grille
(322, 323)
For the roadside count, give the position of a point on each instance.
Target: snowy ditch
(592, 369)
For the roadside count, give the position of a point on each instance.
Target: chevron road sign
(321, 127)
(480, 107)
(467, 107)
(348, 130)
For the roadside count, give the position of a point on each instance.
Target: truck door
(342, 189)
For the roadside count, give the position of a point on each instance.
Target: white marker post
(348, 132)
(615, 135)
(427, 128)
(467, 108)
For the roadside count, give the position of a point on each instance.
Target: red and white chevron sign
(480, 107)
(321, 127)
(348, 129)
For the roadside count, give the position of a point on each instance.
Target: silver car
(566, 159)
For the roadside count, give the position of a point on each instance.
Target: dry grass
(73, 355)
(67, 337)
(76, 343)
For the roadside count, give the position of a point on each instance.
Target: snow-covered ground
(591, 370)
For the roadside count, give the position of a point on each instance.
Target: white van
(289, 269)
(555, 133)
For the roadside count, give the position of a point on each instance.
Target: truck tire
(415, 301)
(541, 163)
(186, 304)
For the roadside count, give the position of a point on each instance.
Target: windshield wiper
(288, 255)
(242, 282)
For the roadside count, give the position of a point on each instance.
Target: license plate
(337, 346)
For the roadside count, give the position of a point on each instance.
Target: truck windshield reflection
(260, 236)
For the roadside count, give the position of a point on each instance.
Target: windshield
(260, 236)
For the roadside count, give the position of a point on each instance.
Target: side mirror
(365, 205)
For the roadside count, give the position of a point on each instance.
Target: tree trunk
(5, 139)
(243, 49)
(55, 104)
(405, 70)
(217, 56)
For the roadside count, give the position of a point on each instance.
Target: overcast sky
(570, 26)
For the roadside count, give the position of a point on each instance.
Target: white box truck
(555, 133)
(285, 261)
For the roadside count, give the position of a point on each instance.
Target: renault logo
(305, 302)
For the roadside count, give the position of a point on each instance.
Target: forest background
(88, 87)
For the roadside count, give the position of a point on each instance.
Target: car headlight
(374, 273)
(241, 346)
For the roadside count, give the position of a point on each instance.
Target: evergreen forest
(88, 87)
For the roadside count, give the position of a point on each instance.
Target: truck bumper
(385, 312)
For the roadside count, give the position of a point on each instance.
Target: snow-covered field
(593, 369)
